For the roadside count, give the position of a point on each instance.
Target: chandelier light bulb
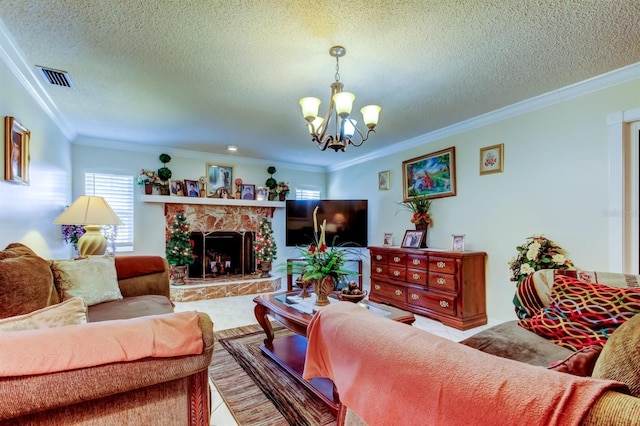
(310, 107)
(370, 115)
(344, 103)
(314, 126)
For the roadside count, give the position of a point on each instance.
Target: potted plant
(264, 247)
(179, 249)
(147, 178)
(164, 174)
(282, 189)
(537, 252)
(271, 183)
(420, 206)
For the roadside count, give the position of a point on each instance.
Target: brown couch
(159, 391)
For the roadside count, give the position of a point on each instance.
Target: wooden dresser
(445, 285)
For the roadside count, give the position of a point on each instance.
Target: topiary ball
(165, 158)
(271, 183)
(164, 173)
(271, 170)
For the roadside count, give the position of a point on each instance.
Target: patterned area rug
(256, 390)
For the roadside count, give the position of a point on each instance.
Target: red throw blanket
(390, 373)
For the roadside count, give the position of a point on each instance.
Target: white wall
(90, 155)
(555, 182)
(27, 212)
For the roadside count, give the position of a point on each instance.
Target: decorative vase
(202, 193)
(304, 285)
(282, 196)
(423, 227)
(272, 195)
(238, 195)
(177, 274)
(322, 288)
(265, 267)
(148, 188)
(164, 190)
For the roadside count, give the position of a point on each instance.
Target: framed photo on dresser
(413, 238)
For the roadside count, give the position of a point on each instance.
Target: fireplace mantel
(165, 199)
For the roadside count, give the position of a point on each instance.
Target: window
(307, 194)
(117, 190)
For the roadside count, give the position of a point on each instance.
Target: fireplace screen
(222, 254)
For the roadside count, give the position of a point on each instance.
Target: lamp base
(92, 243)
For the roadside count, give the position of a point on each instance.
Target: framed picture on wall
(492, 159)
(218, 177)
(432, 175)
(383, 180)
(16, 152)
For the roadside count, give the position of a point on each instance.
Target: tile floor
(231, 312)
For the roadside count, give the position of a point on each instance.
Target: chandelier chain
(337, 76)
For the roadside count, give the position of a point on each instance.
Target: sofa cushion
(582, 314)
(26, 282)
(620, 357)
(579, 363)
(508, 340)
(93, 278)
(69, 312)
(130, 307)
(136, 266)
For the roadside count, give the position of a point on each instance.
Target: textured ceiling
(200, 75)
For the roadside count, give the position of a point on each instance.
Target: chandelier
(345, 128)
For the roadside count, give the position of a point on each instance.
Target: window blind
(117, 190)
(307, 194)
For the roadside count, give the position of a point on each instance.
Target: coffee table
(289, 351)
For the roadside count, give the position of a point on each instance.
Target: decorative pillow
(582, 314)
(26, 282)
(94, 279)
(620, 357)
(69, 312)
(534, 293)
(579, 363)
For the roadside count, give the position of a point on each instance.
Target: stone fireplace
(223, 243)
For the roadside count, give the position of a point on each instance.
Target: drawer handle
(441, 265)
(444, 303)
(398, 292)
(396, 273)
(416, 261)
(378, 257)
(378, 270)
(441, 281)
(416, 276)
(396, 259)
(415, 296)
(377, 286)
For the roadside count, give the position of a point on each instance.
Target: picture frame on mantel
(16, 151)
(218, 177)
(492, 159)
(432, 175)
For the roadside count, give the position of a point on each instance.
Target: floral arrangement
(538, 252)
(238, 183)
(179, 248)
(147, 176)
(265, 246)
(419, 206)
(72, 233)
(282, 188)
(203, 183)
(322, 261)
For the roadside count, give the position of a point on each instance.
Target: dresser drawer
(432, 301)
(417, 276)
(398, 259)
(443, 265)
(442, 281)
(379, 258)
(415, 261)
(397, 272)
(381, 270)
(389, 291)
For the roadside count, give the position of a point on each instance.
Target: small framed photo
(176, 188)
(457, 242)
(223, 193)
(218, 177)
(262, 193)
(248, 192)
(388, 239)
(16, 152)
(192, 188)
(492, 159)
(383, 180)
(413, 238)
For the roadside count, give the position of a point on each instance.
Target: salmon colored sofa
(168, 388)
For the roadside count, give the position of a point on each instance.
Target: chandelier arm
(362, 138)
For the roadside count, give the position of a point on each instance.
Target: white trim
(617, 123)
(622, 75)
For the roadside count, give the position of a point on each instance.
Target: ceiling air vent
(56, 77)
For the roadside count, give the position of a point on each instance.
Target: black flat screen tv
(346, 222)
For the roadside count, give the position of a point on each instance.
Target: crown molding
(612, 78)
(13, 57)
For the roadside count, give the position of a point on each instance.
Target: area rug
(256, 390)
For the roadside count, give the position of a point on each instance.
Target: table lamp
(92, 213)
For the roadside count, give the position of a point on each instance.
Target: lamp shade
(370, 115)
(344, 103)
(88, 210)
(310, 107)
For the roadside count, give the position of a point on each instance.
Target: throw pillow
(94, 279)
(69, 312)
(579, 363)
(620, 357)
(582, 314)
(26, 282)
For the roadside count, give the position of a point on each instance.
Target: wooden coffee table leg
(261, 315)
